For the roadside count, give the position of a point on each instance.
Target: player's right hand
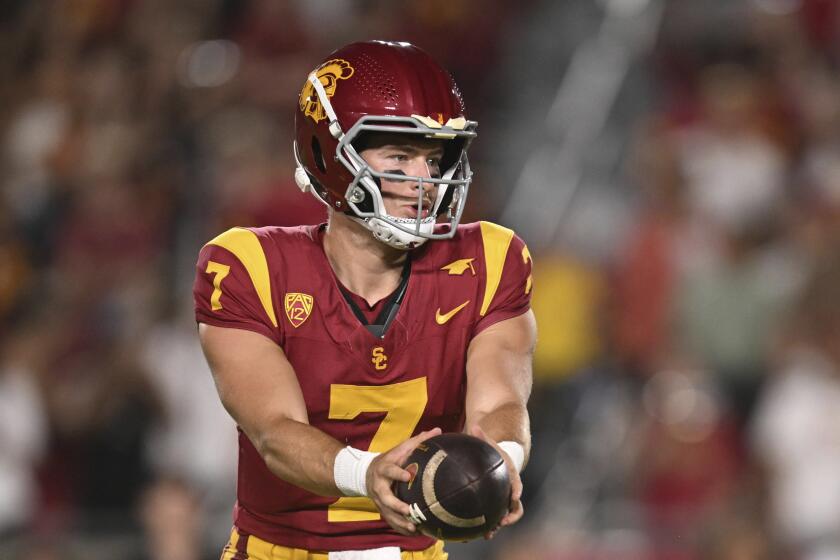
(386, 469)
(515, 508)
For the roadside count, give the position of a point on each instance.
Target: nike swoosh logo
(442, 319)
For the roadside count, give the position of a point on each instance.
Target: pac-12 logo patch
(298, 307)
(328, 74)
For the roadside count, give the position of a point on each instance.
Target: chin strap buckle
(302, 179)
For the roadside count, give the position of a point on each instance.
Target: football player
(339, 348)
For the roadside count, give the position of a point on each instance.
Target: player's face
(405, 155)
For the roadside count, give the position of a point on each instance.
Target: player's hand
(515, 508)
(386, 469)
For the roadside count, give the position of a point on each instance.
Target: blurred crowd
(132, 131)
(688, 386)
(699, 368)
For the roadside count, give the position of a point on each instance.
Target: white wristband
(350, 471)
(516, 453)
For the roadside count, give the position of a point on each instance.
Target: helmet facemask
(438, 196)
(363, 195)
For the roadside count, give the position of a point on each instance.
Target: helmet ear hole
(451, 153)
(318, 155)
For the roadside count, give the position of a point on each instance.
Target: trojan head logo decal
(298, 307)
(329, 73)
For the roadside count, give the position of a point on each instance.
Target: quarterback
(339, 348)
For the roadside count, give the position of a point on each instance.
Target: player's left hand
(515, 508)
(384, 471)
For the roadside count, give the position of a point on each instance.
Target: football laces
(415, 515)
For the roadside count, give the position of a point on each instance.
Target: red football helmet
(382, 87)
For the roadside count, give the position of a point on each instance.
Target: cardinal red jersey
(368, 392)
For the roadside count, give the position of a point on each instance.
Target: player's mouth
(411, 211)
(408, 208)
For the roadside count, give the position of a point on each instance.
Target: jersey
(368, 392)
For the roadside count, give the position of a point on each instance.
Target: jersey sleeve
(233, 285)
(508, 281)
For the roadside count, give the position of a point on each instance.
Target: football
(460, 487)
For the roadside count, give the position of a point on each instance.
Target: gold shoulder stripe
(496, 240)
(246, 247)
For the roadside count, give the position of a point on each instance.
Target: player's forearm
(506, 422)
(299, 454)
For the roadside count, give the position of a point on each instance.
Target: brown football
(460, 489)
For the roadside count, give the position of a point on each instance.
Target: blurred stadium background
(674, 166)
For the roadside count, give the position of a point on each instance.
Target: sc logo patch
(378, 358)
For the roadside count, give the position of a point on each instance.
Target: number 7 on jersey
(404, 404)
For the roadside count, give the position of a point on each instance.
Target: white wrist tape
(350, 470)
(516, 453)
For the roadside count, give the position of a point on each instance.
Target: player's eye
(434, 167)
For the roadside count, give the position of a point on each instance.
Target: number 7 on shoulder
(221, 271)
